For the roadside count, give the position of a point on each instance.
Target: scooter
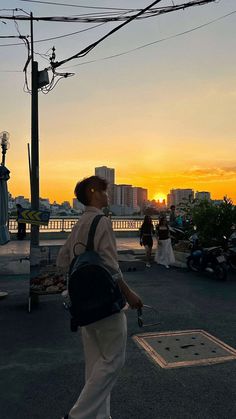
(211, 259)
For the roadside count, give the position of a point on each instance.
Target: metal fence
(66, 224)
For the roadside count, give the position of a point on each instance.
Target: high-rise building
(203, 196)
(108, 174)
(139, 197)
(176, 196)
(129, 196)
(123, 195)
(135, 199)
(142, 196)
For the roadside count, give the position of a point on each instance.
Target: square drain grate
(185, 348)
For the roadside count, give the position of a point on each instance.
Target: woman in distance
(146, 233)
(164, 253)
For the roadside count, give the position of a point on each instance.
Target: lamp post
(5, 144)
(4, 176)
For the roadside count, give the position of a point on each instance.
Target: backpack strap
(92, 230)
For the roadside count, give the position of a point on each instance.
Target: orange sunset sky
(163, 116)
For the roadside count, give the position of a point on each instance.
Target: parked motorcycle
(177, 234)
(211, 259)
(230, 252)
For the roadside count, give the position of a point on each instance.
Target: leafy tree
(212, 221)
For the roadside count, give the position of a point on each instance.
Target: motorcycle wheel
(191, 266)
(221, 271)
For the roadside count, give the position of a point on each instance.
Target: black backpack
(94, 293)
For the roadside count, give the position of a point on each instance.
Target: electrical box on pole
(43, 78)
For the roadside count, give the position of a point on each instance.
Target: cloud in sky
(211, 173)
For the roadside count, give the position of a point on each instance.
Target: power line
(73, 5)
(10, 71)
(96, 19)
(52, 38)
(86, 50)
(9, 36)
(155, 42)
(137, 48)
(125, 52)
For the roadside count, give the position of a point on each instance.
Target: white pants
(104, 348)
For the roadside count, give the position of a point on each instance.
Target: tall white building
(130, 198)
(142, 196)
(106, 173)
(139, 197)
(123, 195)
(176, 196)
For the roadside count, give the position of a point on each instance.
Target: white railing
(66, 224)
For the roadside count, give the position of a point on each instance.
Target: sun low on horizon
(160, 197)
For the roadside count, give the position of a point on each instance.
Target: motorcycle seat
(210, 249)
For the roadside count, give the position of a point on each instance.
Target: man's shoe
(148, 265)
(65, 417)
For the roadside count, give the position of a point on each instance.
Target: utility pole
(34, 172)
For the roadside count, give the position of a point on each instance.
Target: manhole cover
(185, 348)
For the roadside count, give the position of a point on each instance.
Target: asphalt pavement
(41, 362)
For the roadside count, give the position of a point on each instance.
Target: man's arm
(132, 298)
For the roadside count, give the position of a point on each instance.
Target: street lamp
(5, 144)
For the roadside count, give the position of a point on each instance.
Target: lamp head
(4, 139)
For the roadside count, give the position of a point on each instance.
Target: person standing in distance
(172, 216)
(164, 252)
(146, 233)
(21, 233)
(104, 341)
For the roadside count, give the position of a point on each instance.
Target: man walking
(104, 341)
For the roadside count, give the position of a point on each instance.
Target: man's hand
(134, 300)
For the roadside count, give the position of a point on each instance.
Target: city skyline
(163, 115)
(174, 195)
(132, 195)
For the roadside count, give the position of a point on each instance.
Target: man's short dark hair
(85, 187)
